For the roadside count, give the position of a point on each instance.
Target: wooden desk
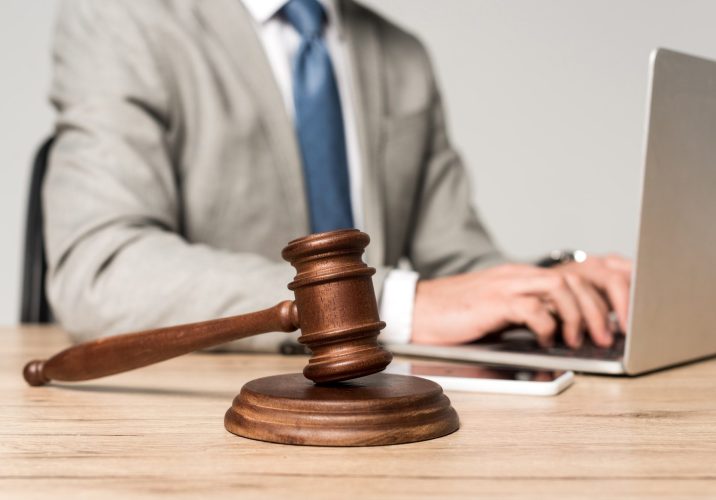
(160, 430)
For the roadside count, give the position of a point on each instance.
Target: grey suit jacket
(175, 180)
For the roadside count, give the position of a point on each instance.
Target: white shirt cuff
(396, 306)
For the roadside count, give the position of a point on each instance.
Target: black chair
(34, 305)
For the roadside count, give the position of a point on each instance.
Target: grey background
(546, 101)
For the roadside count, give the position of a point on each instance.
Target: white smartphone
(487, 378)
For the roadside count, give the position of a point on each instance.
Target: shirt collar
(263, 10)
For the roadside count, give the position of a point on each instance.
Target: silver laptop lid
(673, 307)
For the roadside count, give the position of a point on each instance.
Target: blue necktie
(319, 121)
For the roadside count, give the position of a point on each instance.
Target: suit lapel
(365, 61)
(234, 28)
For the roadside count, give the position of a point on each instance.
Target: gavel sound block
(341, 399)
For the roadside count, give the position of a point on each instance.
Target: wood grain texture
(159, 431)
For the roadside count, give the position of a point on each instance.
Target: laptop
(672, 316)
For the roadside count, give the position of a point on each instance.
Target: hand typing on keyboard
(574, 298)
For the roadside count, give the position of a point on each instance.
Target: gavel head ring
(335, 306)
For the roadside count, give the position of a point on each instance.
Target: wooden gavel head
(335, 306)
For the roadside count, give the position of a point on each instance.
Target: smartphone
(475, 377)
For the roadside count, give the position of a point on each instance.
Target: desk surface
(159, 430)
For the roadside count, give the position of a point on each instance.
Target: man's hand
(463, 308)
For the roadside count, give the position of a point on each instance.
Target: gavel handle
(121, 353)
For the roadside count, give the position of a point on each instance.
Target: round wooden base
(379, 409)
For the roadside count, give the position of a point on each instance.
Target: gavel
(336, 309)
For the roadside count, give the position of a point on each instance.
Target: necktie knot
(306, 16)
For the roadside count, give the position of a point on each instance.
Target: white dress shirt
(281, 41)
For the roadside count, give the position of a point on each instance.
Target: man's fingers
(552, 287)
(533, 313)
(561, 295)
(613, 279)
(594, 310)
(616, 288)
(620, 264)
(579, 306)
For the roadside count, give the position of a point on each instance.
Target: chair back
(34, 307)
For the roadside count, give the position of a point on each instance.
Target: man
(195, 138)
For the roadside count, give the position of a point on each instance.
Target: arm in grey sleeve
(117, 261)
(448, 236)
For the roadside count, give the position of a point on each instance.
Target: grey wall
(25, 119)
(546, 101)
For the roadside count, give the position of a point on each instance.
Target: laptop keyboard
(586, 351)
